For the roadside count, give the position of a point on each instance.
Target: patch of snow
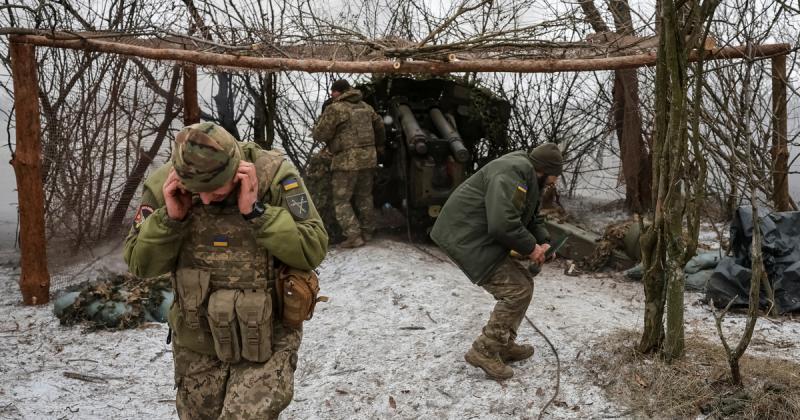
(390, 343)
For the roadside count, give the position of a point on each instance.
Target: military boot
(515, 352)
(367, 236)
(354, 241)
(490, 363)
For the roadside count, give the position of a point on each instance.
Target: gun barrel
(447, 131)
(415, 137)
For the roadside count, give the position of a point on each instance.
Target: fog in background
(8, 193)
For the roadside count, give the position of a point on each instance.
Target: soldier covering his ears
(224, 217)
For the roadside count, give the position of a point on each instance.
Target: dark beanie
(340, 85)
(547, 158)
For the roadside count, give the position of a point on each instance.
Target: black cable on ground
(558, 366)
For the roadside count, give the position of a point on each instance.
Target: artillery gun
(438, 132)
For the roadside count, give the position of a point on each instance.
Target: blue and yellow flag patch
(220, 241)
(289, 184)
(522, 187)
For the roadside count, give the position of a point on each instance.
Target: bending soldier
(354, 134)
(224, 217)
(493, 212)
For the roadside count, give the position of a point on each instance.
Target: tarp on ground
(781, 251)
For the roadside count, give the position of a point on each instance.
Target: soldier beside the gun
(493, 212)
(354, 134)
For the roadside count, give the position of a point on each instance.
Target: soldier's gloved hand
(248, 186)
(537, 256)
(177, 199)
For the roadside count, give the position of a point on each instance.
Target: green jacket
(154, 242)
(494, 211)
(352, 131)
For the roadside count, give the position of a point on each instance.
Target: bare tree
(663, 248)
(634, 152)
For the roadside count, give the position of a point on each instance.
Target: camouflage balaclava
(205, 157)
(547, 158)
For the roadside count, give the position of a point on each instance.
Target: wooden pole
(34, 280)
(191, 109)
(550, 65)
(780, 149)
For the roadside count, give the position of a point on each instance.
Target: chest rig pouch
(224, 284)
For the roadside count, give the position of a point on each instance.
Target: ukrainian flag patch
(289, 184)
(522, 187)
(220, 241)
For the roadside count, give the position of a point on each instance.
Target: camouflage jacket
(352, 131)
(494, 211)
(290, 229)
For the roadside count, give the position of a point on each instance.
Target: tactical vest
(224, 281)
(357, 131)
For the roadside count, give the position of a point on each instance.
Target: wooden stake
(34, 280)
(780, 149)
(191, 109)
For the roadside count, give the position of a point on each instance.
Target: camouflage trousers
(211, 389)
(355, 186)
(512, 286)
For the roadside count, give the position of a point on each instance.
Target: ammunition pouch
(297, 292)
(254, 315)
(224, 328)
(187, 314)
(231, 323)
(192, 287)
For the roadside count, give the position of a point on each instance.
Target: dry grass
(697, 385)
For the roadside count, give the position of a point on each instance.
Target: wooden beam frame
(34, 279)
(780, 149)
(550, 65)
(191, 108)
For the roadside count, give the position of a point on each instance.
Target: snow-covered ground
(389, 344)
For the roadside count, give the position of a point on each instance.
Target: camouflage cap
(205, 157)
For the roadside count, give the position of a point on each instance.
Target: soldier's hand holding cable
(248, 186)
(537, 256)
(176, 198)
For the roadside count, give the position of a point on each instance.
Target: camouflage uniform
(511, 284)
(318, 181)
(224, 265)
(352, 132)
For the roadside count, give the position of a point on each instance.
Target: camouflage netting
(613, 239)
(482, 117)
(116, 301)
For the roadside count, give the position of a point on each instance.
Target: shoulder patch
(298, 205)
(522, 187)
(290, 183)
(142, 213)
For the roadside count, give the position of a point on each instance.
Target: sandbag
(115, 301)
(703, 261)
(696, 282)
(636, 272)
